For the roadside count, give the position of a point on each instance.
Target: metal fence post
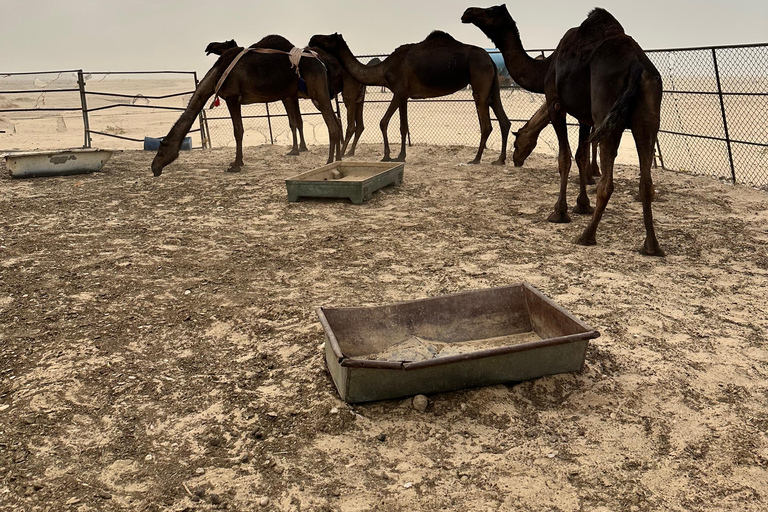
(205, 138)
(84, 104)
(658, 148)
(269, 122)
(722, 111)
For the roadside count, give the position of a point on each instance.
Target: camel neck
(366, 75)
(528, 72)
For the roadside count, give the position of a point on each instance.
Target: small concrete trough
(56, 163)
(476, 338)
(356, 181)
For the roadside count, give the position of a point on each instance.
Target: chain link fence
(714, 117)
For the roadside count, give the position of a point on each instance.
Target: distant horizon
(144, 35)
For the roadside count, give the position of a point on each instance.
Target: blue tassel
(303, 86)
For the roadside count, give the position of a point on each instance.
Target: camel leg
(594, 169)
(504, 124)
(582, 161)
(560, 215)
(318, 91)
(334, 131)
(359, 127)
(644, 141)
(237, 124)
(351, 114)
(296, 123)
(404, 133)
(608, 148)
(300, 128)
(384, 125)
(484, 116)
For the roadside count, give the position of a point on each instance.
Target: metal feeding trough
(56, 163)
(476, 338)
(354, 180)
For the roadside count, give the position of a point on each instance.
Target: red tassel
(215, 103)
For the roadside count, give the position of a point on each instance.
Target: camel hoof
(585, 240)
(583, 210)
(651, 251)
(499, 162)
(559, 217)
(292, 153)
(304, 149)
(591, 181)
(399, 159)
(233, 169)
(473, 162)
(386, 159)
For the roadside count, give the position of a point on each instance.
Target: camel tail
(620, 111)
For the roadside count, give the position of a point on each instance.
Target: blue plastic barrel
(153, 144)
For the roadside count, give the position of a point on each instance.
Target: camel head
(525, 142)
(493, 21)
(167, 153)
(219, 48)
(331, 43)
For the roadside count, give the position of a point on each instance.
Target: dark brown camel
(353, 95)
(602, 77)
(291, 105)
(437, 66)
(256, 78)
(527, 137)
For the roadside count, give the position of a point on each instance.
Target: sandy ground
(159, 348)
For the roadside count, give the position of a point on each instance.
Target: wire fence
(714, 117)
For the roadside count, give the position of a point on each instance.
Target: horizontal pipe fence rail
(714, 114)
(58, 87)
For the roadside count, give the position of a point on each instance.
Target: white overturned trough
(56, 163)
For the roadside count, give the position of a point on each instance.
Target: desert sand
(159, 348)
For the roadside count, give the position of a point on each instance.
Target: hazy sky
(125, 35)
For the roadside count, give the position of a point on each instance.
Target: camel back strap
(294, 56)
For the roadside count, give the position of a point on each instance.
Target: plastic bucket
(153, 144)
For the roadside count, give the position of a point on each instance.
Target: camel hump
(601, 22)
(439, 35)
(274, 42)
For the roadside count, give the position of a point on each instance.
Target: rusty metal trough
(507, 334)
(356, 181)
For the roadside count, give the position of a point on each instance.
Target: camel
(602, 77)
(256, 78)
(353, 95)
(291, 105)
(437, 66)
(527, 137)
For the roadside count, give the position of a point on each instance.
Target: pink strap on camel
(294, 56)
